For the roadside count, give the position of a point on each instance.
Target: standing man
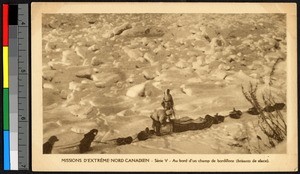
(168, 103)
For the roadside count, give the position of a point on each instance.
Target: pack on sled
(186, 124)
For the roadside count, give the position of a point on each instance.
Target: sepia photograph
(164, 83)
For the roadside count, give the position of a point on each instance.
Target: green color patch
(5, 109)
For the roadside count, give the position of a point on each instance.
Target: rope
(67, 146)
(78, 142)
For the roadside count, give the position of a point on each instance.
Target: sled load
(186, 123)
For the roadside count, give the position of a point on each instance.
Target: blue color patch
(6, 150)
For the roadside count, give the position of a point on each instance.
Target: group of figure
(162, 116)
(84, 144)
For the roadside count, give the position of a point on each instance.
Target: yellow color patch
(5, 67)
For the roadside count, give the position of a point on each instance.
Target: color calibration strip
(6, 134)
(15, 87)
(23, 87)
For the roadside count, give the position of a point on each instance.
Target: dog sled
(186, 123)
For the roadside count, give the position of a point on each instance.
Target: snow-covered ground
(109, 72)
